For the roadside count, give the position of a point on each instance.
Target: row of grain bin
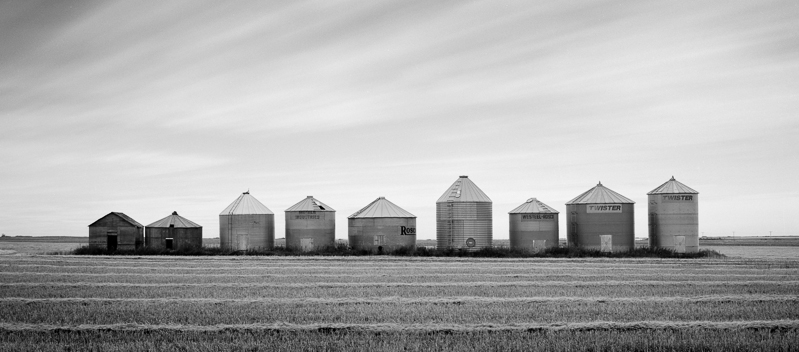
(119, 231)
(603, 220)
(596, 219)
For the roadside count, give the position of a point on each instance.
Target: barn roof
(176, 220)
(533, 205)
(246, 204)
(464, 190)
(128, 219)
(310, 204)
(600, 195)
(673, 186)
(381, 208)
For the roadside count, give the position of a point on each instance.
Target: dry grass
(362, 303)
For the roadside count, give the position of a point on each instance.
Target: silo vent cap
(530, 200)
(174, 213)
(464, 176)
(309, 197)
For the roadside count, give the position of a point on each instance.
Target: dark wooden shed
(116, 231)
(174, 232)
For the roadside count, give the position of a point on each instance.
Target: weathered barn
(310, 224)
(116, 231)
(246, 224)
(382, 226)
(173, 232)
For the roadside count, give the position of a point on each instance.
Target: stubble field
(396, 303)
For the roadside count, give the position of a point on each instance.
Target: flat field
(54, 303)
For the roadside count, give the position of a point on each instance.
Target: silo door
(242, 240)
(539, 245)
(380, 240)
(307, 244)
(679, 244)
(111, 241)
(606, 243)
(169, 243)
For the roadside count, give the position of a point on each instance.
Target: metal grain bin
(310, 224)
(674, 217)
(601, 219)
(173, 232)
(116, 231)
(246, 224)
(464, 217)
(382, 226)
(533, 226)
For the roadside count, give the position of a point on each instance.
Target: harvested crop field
(396, 303)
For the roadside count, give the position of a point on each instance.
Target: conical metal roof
(246, 204)
(381, 208)
(673, 186)
(533, 205)
(174, 219)
(600, 195)
(464, 190)
(310, 204)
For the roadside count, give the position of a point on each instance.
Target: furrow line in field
(419, 300)
(391, 327)
(615, 268)
(338, 274)
(412, 284)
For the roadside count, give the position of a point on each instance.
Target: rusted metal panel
(673, 215)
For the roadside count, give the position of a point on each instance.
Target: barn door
(111, 241)
(306, 244)
(242, 241)
(679, 244)
(606, 243)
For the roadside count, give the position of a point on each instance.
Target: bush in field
(340, 249)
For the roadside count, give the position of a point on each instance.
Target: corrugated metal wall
(533, 231)
(247, 231)
(307, 230)
(674, 222)
(584, 227)
(464, 225)
(387, 233)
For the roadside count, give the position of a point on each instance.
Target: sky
(149, 107)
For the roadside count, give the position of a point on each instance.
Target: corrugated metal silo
(382, 226)
(173, 232)
(246, 224)
(464, 217)
(310, 224)
(601, 219)
(533, 226)
(674, 217)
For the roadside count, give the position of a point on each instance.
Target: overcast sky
(149, 107)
